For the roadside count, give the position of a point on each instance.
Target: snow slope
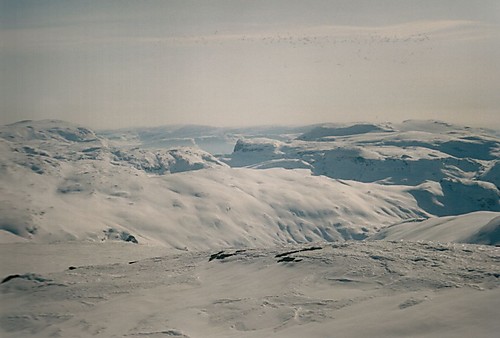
(459, 163)
(76, 188)
(211, 139)
(64, 182)
(330, 130)
(476, 228)
(203, 209)
(397, 154)
(119, 234)
(351, 289)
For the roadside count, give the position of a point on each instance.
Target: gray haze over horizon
(115, 64)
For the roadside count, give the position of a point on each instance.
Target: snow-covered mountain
(212, 139)
(354, 230)
(65, 182)
(449, 169)
(395, 154)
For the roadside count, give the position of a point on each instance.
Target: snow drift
(474, 228)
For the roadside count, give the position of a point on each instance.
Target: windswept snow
(460, 163)
(379, 230)
(352, 289)
(202, 209)
(476, 228)
(63, 182)
(395, 154)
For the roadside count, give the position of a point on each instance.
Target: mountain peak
(29, 130)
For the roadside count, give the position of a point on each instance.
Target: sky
(113, 64)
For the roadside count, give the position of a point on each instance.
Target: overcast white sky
(109, 64)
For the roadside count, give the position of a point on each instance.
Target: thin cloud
(410, 32)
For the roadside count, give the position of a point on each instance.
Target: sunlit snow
(380, 230)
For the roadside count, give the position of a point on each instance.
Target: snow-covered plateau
(359, 230)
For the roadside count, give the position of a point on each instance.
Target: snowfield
(356, 230)
(63, 182)
(350, 289)
(480, 227)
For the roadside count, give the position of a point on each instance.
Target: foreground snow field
(350, 289)
(320, 231)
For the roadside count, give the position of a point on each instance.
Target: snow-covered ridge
(323, 132)
(398, 154)
(49, 144)
(162, 161)
(65, 182)
(477, 228)
(44, 130)
(211, 139)
(105, 237)
(460, 163)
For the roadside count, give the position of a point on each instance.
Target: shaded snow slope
(86, 189)
(460, 163)
(475, 228)
(198, 209)
(399, 154)
(211, 139)
(114, 234)
(352, 289)
(165, 161)
(64, 182)
(324, 131)
(48, 146)
(46, 130)
(455, 197)
(492, 173)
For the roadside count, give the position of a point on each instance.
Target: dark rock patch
(222, 254)
(115, 234)
(8, 278)
(289, 259)
(26, 276)
(132, 239)
(296, 251)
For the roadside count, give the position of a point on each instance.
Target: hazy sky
(109, 64)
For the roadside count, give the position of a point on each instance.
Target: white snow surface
(64, 182)
(203, 209)
(57, 189)
(398, 155)
(479, 227)
(350, 289)
(357, 230)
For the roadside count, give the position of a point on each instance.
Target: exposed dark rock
(115, 234)
(26, 276)
(132, 239)
(295, 251)
(8, 278)
(222, 254)
(289, 259)
(215, 256)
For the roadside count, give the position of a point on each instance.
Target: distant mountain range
(197, 187)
